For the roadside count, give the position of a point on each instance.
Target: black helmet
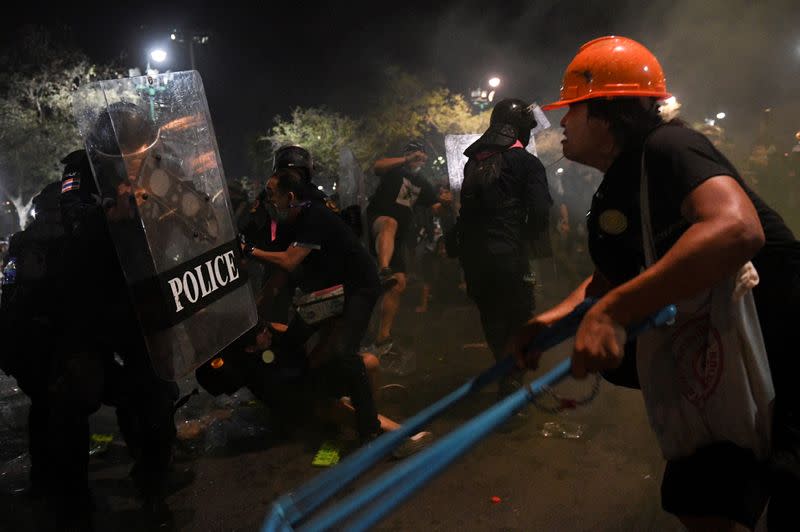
(122, 126)
(414, 145)
(293, 157)
(514, 112)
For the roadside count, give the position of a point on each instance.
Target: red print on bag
(698, 354)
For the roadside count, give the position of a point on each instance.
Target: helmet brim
(607, 95)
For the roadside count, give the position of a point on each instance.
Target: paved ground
(606, 480)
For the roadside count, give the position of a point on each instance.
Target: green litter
(327, 455)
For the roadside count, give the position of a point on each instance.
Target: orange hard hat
(611, 67)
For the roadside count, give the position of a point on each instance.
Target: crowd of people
(670, 219)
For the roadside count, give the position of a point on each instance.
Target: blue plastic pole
(417, 470)
(396, 485)
(291, 508)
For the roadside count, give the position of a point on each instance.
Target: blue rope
(291, 508)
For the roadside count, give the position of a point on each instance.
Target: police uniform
(96, 321)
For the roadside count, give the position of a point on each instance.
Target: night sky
(735, 56)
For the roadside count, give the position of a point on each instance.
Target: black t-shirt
(340, 259)
(398, 193)
(509, 214)
(678, 160)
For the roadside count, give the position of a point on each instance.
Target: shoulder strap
(648, 242)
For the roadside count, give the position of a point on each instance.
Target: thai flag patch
(71, 183)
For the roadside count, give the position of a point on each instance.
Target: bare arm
(287, 260)
(382, 166)
(445, 200)
(725, 233)
(594, 286)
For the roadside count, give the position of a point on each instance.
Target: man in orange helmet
(705, 225)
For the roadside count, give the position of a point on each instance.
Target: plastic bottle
(10, 272)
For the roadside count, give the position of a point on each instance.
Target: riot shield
(542, 123)
(157, 167)
(349, 187)
(454, 146)
(352, 188)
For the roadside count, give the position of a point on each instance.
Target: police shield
(454, 146)
(352, 189)
(157, 168)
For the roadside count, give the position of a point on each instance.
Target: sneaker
(386, 276)
(413, 445)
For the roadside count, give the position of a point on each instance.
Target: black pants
(504, 298)
(342, 366)
(66, 386)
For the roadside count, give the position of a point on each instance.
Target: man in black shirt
(503, 221)
(330, 254)
(389, 215)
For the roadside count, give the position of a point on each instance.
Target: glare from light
(720, 116)
(494, 83)
(158, 55)
(172, 36)
(560, 171)
(320, 187)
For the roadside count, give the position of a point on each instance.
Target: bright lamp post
(158, 55)
(481, 98)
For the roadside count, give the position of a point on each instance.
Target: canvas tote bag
(706, 378)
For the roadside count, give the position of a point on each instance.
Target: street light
(159, 55)
(481, 98)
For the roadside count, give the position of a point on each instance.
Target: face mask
(279, 215)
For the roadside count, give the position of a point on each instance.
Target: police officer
(503, 222)
(97, 321)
